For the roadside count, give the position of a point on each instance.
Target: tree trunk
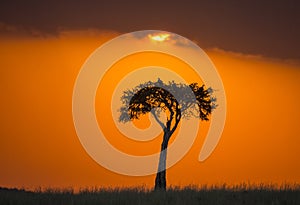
(160, 180)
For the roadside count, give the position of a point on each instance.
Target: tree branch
(157, 120)
(177, 119)
(169, 122)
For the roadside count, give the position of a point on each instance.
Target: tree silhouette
(176, 100)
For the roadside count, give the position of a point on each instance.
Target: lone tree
(176, 100)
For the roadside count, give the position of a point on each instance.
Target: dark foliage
(190, 100)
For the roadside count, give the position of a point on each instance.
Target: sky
(253, 44)
(257, 27)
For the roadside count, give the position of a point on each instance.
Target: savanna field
(221, 194)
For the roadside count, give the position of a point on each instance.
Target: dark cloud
(269, 28)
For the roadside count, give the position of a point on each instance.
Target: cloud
(169, 37)
(13, 31)
(182, 41)
(254, 57)
(20, 31)
(7, 30)
(92, 32)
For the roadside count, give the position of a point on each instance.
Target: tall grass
(221, 194)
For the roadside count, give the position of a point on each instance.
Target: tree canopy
(176, 99)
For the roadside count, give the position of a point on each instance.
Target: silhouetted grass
(241, 194)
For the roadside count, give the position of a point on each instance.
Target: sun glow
(159, 37)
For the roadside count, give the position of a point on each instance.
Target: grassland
(190, 195)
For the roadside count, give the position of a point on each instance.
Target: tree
(177, 100)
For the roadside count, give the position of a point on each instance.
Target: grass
(241, 194)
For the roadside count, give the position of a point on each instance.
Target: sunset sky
(253, 45)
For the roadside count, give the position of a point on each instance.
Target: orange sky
(39, 146)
